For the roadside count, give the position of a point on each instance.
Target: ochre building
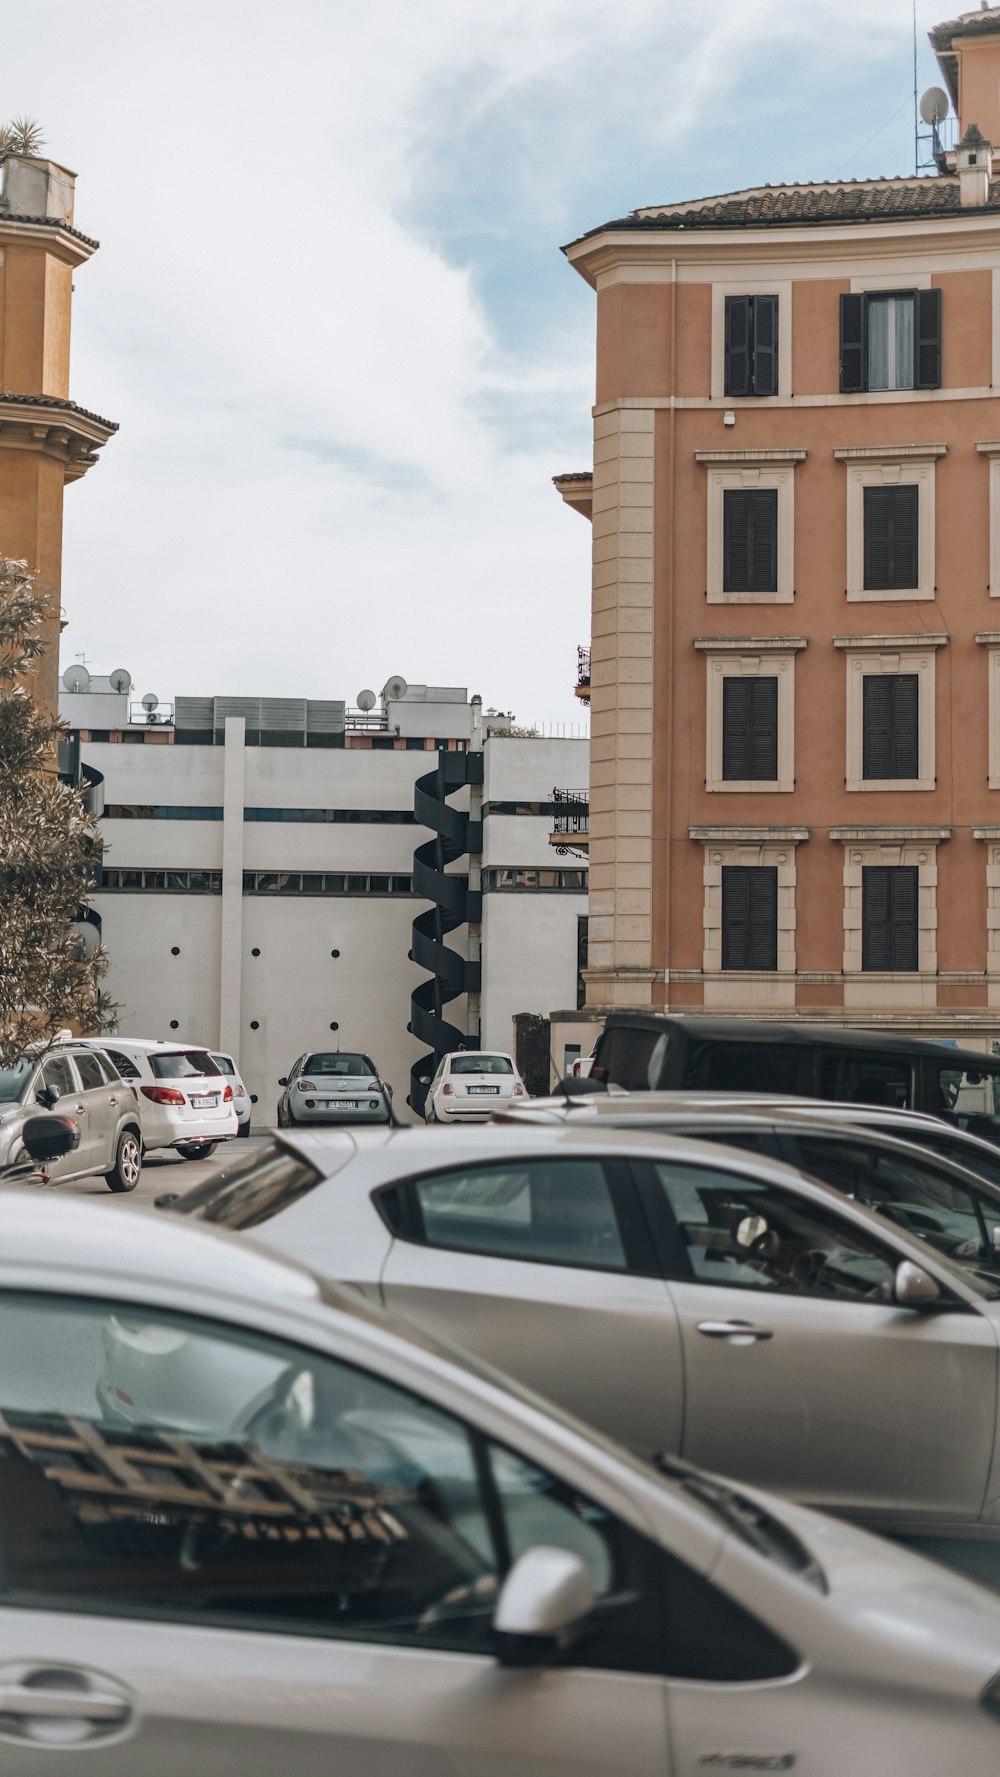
(795, 668)
(46, 440)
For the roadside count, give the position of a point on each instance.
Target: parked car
(242, 1103)
(78, 1081)
(185, 1102)
(326, 1086)
(654, 1051)
(682, 1296)
(324, 1543)
(469, 1083)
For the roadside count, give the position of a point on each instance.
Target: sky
(331, 316)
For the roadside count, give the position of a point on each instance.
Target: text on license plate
(204, 1104)
(341, 1104)
(482, 1088)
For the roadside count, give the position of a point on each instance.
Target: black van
(652, 1051)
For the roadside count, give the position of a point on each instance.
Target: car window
(250, 1190)
(629, 1057)
(214, 1476)
(13, 1080)
(337, 1065)
(57, 1073)
(714, 1066)
(90, 1071)
(967, 1097)
(185, 1064)
(748, 1234)
(908, 1188)
(125, 1065)
(481, 1064)
(866, 1080)
(225, 1065)
(548, 1211)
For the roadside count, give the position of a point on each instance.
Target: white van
(185, 1100)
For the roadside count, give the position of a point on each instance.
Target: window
(126, 1068)
(481, 1064)
(182, 1064)
(749, 1235)
(861, 1081)
(717, 1066)
(339, 1066)
(890, 746)
(970, 1098)
(749, 918)
(751, 345)
(890, 340)
(891, 518)
(57, 1073)
(750, 540)
(250, 1190)
(750, 729)
(90, 1071)
(550, 1212)
(918, 1196)
(889, 917)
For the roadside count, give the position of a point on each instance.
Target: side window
(911, 1191)
(749, 1235)
(742, 1067)
(553, 1212)
(57, 1072)
(125, 1066)
(90, 1071)
(866, 1081)
(633, 1058)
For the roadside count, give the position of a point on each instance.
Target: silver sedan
(333, 1087)
(681, 1296)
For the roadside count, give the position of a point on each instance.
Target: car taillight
(598, 1073)
(518, 1090)
(306, 1086)
(163, 1094)
(374, 1086)
(227, 1096)
(448, 1089)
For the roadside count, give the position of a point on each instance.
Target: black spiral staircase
(454, 904)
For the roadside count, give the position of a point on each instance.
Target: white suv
(185, 1101)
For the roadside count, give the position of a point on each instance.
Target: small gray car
(82, 1083)
(324, 1086)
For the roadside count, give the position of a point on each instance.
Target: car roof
(617, 1106)
(505, 1054)
(753, 1030)
(173, 1047)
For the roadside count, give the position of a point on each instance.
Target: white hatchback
(470, 1084)
(185, 1100)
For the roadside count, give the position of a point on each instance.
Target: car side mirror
(914, 1287)
(425, 1079)
(543, 1604)
(47, 1095)
(49, 1138)
(282, 1082)
(995, 1237)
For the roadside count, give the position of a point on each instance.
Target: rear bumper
(363, 1114)
(165, 1128)
(464, 1110)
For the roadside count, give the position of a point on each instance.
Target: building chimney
(974, 165)
(33, 187)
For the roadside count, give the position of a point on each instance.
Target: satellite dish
(76, 678)
(366, 700)
(121, 679)
(394, 689)
(934, 105)
(150, 701)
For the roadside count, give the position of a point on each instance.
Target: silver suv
(83, 1084)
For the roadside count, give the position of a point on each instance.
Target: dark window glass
(891, 516)
(481, 1064)
(251, 1190)
(970, 1098)
(750, 730)
(155, 879)
(549, 1212)
(312, 885)
(961, 1153)
(378, 885)
(182, 1064)
(741, 1067)
(630, 1057)
(357, 885)
(908, 1188)
(58, 1073)
(749, 917)
(890, 340)
(90, 1071)
(889, 917)
(750, 539)
(338, 1066)
(861, 1081)
(125, 1066)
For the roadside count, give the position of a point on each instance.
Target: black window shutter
(764, 540)
(927, 340)
(878, 537)
(877, 725)
(889, 901)
(763, 729)
(903, 519)
(904, 759)
(736, 728)
(852, 344)
(738, 345)
(903, 899)
(736, 564)
(750, 730)
(875, 950)
(749, 918)
(765, 345)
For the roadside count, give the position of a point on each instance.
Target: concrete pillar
(231, 959)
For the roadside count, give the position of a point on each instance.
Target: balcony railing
(571, 821)
(583, 674)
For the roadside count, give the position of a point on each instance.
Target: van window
(632, 1057)
(967, 1097)
(866, 1080)
(719, 1066)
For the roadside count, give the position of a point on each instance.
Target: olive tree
(48, 849)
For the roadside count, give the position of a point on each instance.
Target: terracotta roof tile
(49, 222)
(55, 402)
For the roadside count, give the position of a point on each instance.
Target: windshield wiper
(744, 1517)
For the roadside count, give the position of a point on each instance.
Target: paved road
(166, 1171)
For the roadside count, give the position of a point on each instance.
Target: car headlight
(990, 1698)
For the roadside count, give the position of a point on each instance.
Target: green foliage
(21, 136)
(48, 850)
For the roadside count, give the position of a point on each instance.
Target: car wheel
(244, 1129)
(124, 1175)
(196, 1150)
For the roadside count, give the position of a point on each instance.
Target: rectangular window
(750, 539)
(890, 340)
(749, 917)
(750, 730)
(890, 744)
(751, 345)
(889, 903)
(891, 533)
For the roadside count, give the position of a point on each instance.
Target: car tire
(244, 1129)
(196, 1150)
(125, 1173)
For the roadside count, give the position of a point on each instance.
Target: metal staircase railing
(454, 904)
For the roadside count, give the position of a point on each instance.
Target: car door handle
(112, 1102)
(93, 1705)
(737, 1330)
(80, 1109)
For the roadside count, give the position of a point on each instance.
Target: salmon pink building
(795, 660)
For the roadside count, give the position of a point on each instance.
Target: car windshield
(249, 1191)
(338, 1065)
(481, 1064)
(182, 1065)
(969, 1097)
(13, 1079)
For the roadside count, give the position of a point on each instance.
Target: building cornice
(883, 453)
(55, 428)
(745, 835)
(892, 644)
(891, 833)
(577, 490)
(749, 644)
(57, 238)
(989, 447)
(773, 457)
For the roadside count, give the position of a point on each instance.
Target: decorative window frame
(750, 469)
(888, 465)
(883, 655)
(990, 448)
(759, 657)
(991, 836)
(751, 847)
(782, 289)
(891, 846)
(990, 640)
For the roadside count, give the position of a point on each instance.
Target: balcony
(582, 687)
(571, 822)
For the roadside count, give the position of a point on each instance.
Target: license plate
(482, 1088)
(342, 1104)
(204, 1104)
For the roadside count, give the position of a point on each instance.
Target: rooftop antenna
(366, 700)
(916, 125)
